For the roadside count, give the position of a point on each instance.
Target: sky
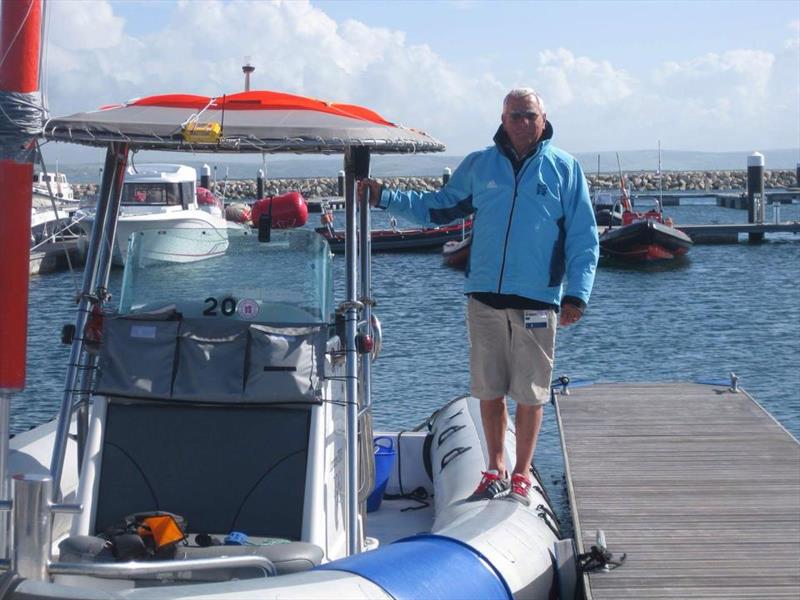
(703, 76)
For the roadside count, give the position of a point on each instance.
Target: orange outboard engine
(288, 210)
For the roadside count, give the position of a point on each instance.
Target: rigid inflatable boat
(229, 410)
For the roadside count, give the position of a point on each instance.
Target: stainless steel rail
(351, 355)
(98, 261)
(134, 570)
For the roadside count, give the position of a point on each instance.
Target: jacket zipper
(517, 178)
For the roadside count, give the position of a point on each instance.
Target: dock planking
(697, 484)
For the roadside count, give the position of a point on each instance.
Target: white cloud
(696, 103)
(716, 101)
(294, 46)
(742, 75)
(569, 78)
(84, 26)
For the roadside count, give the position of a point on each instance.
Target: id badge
(536, 319)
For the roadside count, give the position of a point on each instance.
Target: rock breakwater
(316, 187)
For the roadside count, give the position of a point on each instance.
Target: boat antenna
(660, 187)
(247, 68)
(596, 182)
(626, 202)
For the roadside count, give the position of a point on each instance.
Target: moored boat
(56, 183)
(455, 253)
(644, 237)
(54, 240)
(394, 239)
(162, 196)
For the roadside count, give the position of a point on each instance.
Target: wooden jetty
(726, 199)
(332, 202)
(729, 233)
(697, 484)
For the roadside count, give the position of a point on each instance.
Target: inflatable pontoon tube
(427, 566)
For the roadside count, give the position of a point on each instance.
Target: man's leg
(527, 423)
(494, 417)
(489, 337)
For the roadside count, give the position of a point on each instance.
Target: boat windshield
(285, 281)
(165, 193)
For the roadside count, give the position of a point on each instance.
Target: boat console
(221, 405)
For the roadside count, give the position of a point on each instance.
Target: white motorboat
(48, 223)
(45, 183)
(53, 236)
(160, 197)
(243, 407)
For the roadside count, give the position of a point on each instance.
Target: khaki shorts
(508, 358)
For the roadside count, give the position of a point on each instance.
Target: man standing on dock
(533, 226)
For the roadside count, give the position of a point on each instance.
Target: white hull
(206, 235)
(176, 248)
(514, 540)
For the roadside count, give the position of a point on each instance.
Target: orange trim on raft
(259, 100)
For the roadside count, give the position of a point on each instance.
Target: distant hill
(434, 164)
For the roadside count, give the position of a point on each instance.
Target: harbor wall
(312, 187)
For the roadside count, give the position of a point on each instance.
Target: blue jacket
(531, 227)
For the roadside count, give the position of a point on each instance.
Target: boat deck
(697, 484)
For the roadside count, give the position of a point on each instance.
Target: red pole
(20, 32)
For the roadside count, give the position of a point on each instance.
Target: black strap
(599, 559)
(418, 495)
(427, 461)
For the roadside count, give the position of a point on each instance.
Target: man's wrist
(574, 301)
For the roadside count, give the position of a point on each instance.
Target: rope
(21, 119)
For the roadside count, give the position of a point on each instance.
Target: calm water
(725, 308)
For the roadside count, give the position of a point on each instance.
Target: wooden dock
(726, 199)
(697, 484)
(720, 233)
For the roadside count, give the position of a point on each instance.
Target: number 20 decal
(227, 306)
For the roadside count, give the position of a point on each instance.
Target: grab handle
(452, 454)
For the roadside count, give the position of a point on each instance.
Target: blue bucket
(384, 459)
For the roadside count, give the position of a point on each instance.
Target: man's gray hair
(524, 92)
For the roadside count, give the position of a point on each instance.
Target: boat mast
(21, 121)
(626, 202)
(660, 187)
(596, 184)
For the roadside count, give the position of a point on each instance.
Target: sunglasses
(518, 115)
